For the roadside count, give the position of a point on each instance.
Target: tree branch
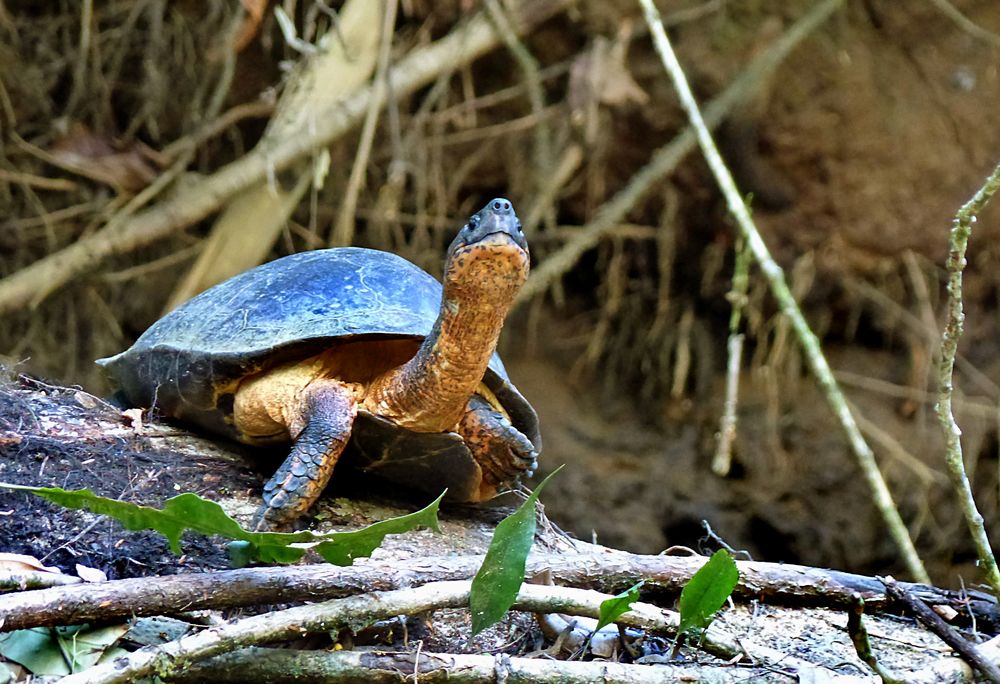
(378, 667)
(601, 568)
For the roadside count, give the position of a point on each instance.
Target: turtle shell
(189, 363)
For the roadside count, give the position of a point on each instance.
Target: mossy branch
(958, 242)
(776, 280)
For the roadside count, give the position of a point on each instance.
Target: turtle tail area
(329, 412)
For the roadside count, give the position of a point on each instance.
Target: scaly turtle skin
(356, 346)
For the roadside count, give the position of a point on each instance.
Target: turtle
(353, 350)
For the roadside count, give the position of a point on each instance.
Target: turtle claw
(524, 456)
(503, 453)
(504, 466)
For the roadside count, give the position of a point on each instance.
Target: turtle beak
(493, 221)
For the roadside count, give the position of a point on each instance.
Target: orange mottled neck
(429, 392)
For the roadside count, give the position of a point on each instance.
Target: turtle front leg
(321, 431)
(504, 454)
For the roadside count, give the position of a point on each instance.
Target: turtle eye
(473, 222)
(519, 227)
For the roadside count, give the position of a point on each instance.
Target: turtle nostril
(501, 206)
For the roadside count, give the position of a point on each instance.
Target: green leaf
(189, 512)
(269, 550)
(83, 648)
(495, 586)
(36, 649)
(61, 650)
(706, 592)
(180, 513)
(343, 548)
(616, 606)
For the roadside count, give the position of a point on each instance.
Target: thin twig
(144, 269)
(533, 83)
(499, 97)
(776, 279)
(82, 58)
(51, 218)
(948, 634)
(232, 116)
(551, 184)
(41, 182)
(722, 460)
(966, 24)
(862, 644)
(343, 231)
(896, 450)
(958, 242)
(184, 157)
(915, 324)
(480, 133)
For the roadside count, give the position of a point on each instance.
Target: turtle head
(489, 254)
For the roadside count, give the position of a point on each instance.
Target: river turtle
(359, 346)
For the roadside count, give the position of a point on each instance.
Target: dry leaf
(945, 611)
(10, 439)
(133, 418)
(17, 561)
(601, 74)
(90, 574)
(93, 156)
(251, 25)
(85, 400)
